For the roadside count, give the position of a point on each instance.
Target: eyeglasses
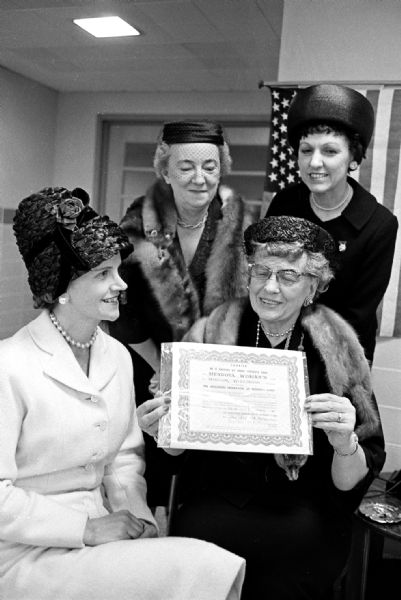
(286, 277)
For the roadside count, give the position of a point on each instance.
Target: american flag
(282, 168)
(380, 173)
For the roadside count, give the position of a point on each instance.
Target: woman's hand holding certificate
(230, 398)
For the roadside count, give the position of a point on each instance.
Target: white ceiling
(187, 45)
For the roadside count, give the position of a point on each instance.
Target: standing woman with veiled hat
(187, 232)
(74, 522)
(330, 127)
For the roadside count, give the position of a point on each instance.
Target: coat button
(89, 467)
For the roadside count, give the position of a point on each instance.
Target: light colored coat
(71, 449)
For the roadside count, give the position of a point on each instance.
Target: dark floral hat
(59, 236)
(291, 230)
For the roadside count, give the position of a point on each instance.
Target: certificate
(235, 398)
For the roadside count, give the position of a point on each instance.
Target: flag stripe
(365, 170)
(393, 154)
(390, 310)
(397, 320)
(380, 143)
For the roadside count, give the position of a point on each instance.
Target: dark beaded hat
(187, 132)
(59, 236)
(330, 104)
(290, 230)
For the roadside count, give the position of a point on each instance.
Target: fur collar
(347, 369)
(151, 224)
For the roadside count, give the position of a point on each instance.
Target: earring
(353, 165)
(308, 301)
(63, 299)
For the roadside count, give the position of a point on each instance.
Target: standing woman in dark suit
(330, 127)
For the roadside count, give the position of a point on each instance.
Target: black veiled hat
(331, 104)
(290, 230)
(59, 235)
(187, 132)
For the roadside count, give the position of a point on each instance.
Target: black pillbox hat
(331, 104)
(187, 132)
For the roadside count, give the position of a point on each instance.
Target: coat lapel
(103, 362)
(59, 362)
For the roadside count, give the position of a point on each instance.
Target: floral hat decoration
(60, 236)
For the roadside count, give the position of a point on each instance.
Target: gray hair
(317, 264)
(162, 155)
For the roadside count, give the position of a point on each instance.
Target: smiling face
(94, 296)
(323, 160)
(193, 171)
(278, 305)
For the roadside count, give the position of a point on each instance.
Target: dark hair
(332, 105)
(356, 147)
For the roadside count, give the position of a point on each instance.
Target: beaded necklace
(67, 336)
(271, 334)
(288, 333)
(287, 341)
(186, 225)
(346, 199)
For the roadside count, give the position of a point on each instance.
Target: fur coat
(151, 223)
(347, 370)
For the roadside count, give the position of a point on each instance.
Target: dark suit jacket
(366, 235)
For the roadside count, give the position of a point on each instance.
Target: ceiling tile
(207, 45)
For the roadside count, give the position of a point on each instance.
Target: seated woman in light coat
(74, 522)
(289, 517)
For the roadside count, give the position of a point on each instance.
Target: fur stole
(347, 370)
(151, 223)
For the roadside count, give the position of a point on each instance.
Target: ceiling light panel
(102, 27)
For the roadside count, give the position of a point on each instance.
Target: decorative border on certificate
(234, 398)
(185, 432)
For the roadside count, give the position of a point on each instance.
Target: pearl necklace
(287, 341)
(346, 199)
(67, 337)
(287, 333)
(271, 334)
(186, 225)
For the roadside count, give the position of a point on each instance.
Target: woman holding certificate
(288, 515)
